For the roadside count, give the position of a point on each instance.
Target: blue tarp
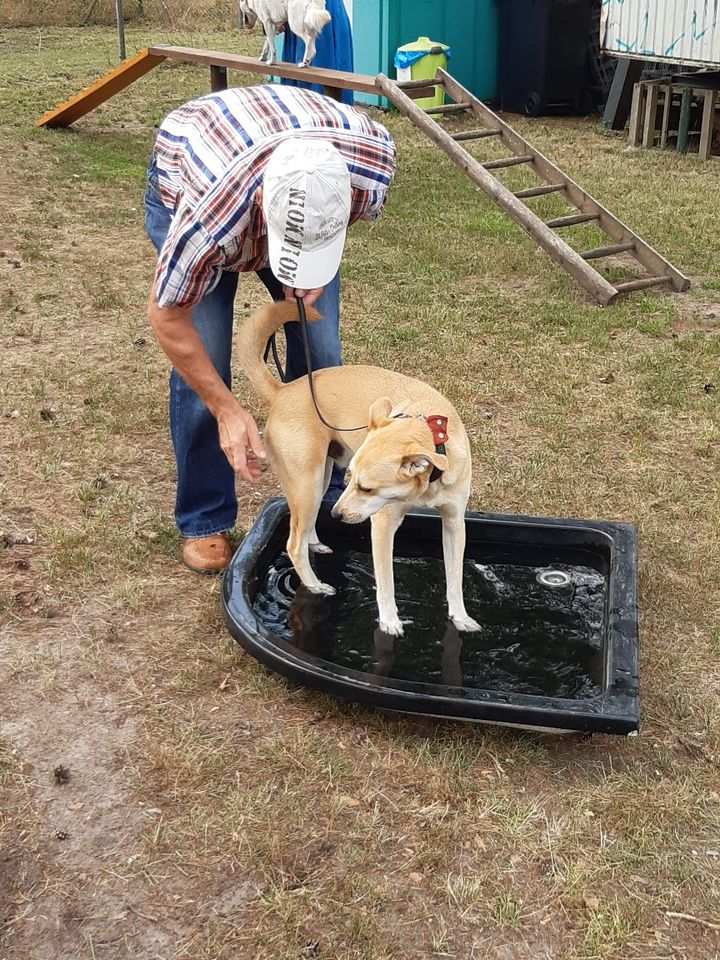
(406, 58)
(333, 51)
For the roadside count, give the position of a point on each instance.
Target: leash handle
(308, 364)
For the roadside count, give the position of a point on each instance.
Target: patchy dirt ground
(79, 605)
(161, 795)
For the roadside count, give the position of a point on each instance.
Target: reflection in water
(536, 638)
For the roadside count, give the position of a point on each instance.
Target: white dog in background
(306, 18)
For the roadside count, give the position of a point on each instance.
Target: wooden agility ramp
(659, 272)
(332, 81)
(107, 86)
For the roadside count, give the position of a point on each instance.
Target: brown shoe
(207, 554)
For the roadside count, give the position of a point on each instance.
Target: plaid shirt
(210, 156)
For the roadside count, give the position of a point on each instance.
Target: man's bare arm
(179, 340)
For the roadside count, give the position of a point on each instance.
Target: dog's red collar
(438, 428)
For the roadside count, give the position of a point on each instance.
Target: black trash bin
(543, 46)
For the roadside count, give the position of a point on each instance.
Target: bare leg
(303, 511)
(271, 44)
(383, 527)
(453, 540)
(315, 545)
(301, 471)
(309, 51)
(268, 54)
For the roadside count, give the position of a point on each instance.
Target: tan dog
(392, 465)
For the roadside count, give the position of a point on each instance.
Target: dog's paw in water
(466, 623)
(322, 588)
(392, 627)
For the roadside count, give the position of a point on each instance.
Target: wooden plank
(636, 116)
(651, 102)
(105, 87)
(706, 124)
(653, 262)
(563, 254)
(617, 109)
(598, 252)
(684, 121)
(475, 134)
(338, 79)
(667, 105)
(540, 191)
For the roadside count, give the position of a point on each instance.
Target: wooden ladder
(659, 271)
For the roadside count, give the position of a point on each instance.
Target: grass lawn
(162, 795)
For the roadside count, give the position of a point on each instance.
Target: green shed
(468, 27)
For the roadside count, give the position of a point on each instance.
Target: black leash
(308, 364)
(272, 345)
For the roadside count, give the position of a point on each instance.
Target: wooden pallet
(552, 180)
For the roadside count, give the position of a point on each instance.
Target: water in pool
(542, 625)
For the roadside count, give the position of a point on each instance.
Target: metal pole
(120, 28)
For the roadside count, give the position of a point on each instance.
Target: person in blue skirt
(334, 49)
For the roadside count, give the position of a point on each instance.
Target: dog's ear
(415, 464)
(379, 413)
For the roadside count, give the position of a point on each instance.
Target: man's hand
(238, 431)
(309, 296)
(240, 442)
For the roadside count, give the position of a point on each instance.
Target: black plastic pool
(556, 600)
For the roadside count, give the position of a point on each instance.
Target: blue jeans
(206, 502)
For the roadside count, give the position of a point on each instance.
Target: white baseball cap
(306, 202)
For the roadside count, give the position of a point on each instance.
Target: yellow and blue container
(421, 60)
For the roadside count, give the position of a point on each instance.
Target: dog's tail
(253, 336)
(316, 16)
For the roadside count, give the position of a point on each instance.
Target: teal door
(469, 27)
(371, 42)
